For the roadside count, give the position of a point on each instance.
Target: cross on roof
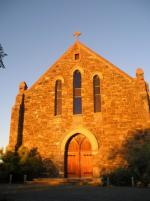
(77, 34)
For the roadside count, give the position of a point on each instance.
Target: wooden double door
(79, 157)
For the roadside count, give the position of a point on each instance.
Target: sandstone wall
(124, 109)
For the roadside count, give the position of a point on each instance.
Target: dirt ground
(16, 192)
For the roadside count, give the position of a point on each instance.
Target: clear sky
(34, 34)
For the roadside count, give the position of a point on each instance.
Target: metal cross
(77, 34)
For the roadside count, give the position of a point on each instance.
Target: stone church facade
(81, 111)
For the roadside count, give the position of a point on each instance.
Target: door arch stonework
(85, 132)
(78, 157)
(94, 147)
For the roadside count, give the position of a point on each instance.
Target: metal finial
(77, 34)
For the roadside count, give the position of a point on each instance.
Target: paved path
(71, 193)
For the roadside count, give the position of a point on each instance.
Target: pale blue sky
(34, 34)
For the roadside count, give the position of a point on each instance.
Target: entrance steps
(66, 181)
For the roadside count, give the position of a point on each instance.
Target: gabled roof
(80, 45)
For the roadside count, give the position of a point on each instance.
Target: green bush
(138, 158)
(119, 177)
(137, 154)
(20, 163)
(9, 166)
(31, 163)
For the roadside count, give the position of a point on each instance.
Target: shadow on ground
(72, 193)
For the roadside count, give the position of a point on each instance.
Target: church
(79, 112)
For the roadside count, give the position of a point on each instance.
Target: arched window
(77, 99)
(58, 97)
(97, 96)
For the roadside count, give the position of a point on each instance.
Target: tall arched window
(97, 96)
(77, 99)
(58, 97)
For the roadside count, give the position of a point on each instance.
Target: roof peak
(102, 59)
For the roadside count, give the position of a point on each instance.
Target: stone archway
(87, 133)
(78, 157)
(83, 152)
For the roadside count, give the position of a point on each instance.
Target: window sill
(97, 112)
(58, 116)
(77, 115)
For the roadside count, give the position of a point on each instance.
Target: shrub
(19, 163)
(119, 177)
(137, 154)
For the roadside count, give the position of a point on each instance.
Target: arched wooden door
(79, 157)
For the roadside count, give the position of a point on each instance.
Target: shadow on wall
(20, 124)
(25, 162)
(136, 152)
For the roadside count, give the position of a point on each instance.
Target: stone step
(63, 181)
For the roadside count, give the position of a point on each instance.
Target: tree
(19, 163)
(30, 162)
(136, 152)
(1, 154)
(138, 157)
(2, 55)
